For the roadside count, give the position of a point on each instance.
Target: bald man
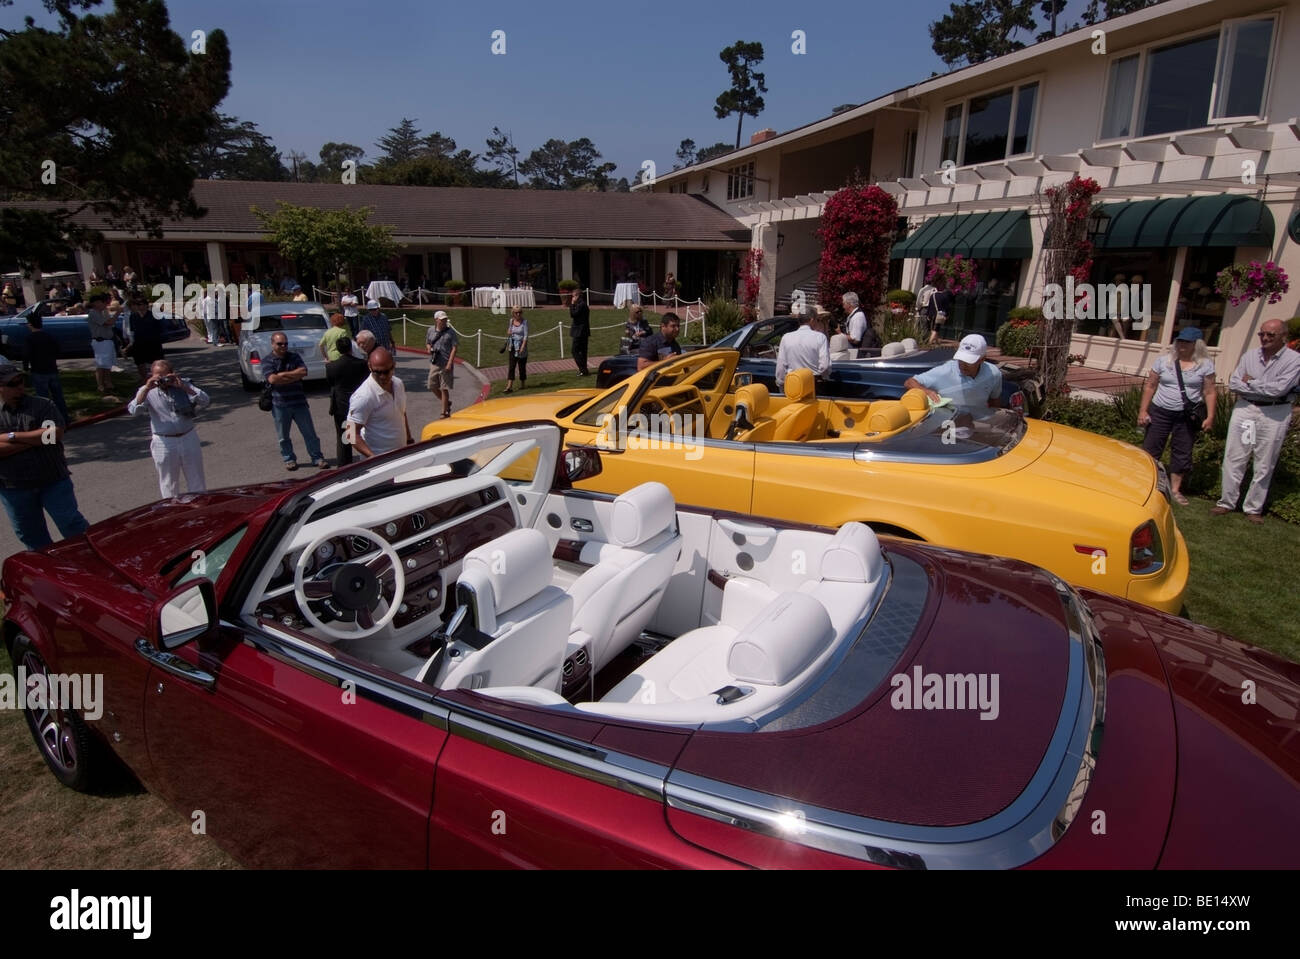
(377, 413)
(172, 404)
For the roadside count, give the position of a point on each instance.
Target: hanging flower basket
(1247, 282)
(958, 271)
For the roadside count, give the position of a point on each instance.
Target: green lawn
(83, 398)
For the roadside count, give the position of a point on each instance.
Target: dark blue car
(71, 332)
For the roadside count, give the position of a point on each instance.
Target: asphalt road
(113, 471)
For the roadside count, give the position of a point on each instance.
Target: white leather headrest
(642, 512)
(909, 345)
(892, 349)
(516, 565)
(780, 642)
(853, 556)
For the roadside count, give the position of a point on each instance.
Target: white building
(1185, 113)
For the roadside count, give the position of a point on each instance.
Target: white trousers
(1254, 432)
(105, 353)
(174, 455)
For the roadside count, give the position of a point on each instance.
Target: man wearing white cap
(442, 342)
(966, 379)
(377, 323)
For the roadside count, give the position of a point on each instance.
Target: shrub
(1018, 337)
(722, 316)
(567, 286)
(894, 329)
(1031, 313)
(858, 227)
(905, 297)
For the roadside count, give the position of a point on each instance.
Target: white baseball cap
(372, 304)
(441, 315)
(972, 349)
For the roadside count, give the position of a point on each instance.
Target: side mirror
(577, 464)
(184, 615)
(742, 379)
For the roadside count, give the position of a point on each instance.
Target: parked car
(71, 332)
(600, 681)
(303, 324)
(869, 377)
(1091, 509)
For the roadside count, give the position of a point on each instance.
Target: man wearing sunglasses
(1265, 382)
(285, 372)
(34, 476)
(377, 412)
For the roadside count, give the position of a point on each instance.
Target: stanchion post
(559, 328)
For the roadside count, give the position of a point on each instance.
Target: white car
(303, 323)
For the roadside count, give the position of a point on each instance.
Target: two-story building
(1185, 113)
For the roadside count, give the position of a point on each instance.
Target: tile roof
(464, 212)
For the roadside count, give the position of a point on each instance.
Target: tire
(74, 756)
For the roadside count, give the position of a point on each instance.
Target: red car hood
(148, 544)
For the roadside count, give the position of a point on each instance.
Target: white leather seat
(615, 598)
(909, 345)
(507, 585)
(766, 657)
(892, 349)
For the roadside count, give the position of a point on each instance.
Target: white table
(626, 293)
(486, 297)
(384, 290)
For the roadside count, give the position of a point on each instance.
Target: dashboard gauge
(391, 530)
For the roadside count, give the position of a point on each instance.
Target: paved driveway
(113, 471)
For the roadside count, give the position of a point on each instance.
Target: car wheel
(250, 386)
(65, 743)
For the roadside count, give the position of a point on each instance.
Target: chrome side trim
(627, 773)
(1021, 832)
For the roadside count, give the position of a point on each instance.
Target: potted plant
(455, 292)
(1247, 282)
(1022, 331)
(566, 288)
(900, 301)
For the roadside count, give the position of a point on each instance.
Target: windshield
(946, 432)
(209, 564)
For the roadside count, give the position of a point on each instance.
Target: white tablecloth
(485, 297)
(384, 289)
(626, 293)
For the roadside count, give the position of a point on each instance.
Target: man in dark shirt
(660, 345)
(580, 314)
(344, 374)
(41, 357)
(285, 372)
(34, 477)
(146, 336)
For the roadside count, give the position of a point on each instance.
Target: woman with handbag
(1177, 403)
(517, 344)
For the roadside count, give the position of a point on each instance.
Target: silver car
(303, 323)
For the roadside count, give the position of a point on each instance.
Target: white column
(457, 264)
(566, 263)
(30, 286)
(1175, 290)
(670, 262)
(764, 237)
(217, 261)
(85, 266)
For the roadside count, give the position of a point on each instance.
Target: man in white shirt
(377, 413)
(971, 382)
(862, 335)
(803, 348)
(349, 303)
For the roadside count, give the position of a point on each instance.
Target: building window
(909, 153)
(740, 181)
(1190, 83)
(990, 127)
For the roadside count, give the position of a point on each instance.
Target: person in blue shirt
(971, 383)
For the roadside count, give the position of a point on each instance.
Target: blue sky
(634, 78)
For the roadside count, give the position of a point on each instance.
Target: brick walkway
(495, 373)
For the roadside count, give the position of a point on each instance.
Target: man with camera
(172, 404)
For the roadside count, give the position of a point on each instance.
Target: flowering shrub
(1245, 283)
(859, 224)
(751, 272)
(957, 270)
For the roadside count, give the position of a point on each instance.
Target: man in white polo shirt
(377, 413)
(802, 348)
(972, 384)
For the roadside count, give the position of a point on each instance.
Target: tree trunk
(740, 118)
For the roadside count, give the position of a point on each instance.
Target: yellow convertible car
(1091, 509)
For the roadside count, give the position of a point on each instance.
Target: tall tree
(557, 165)
(236, 150)
(328, 240)
(402, 143)
(1098, 10)
(333, 156)
(685, 154)
(438, 144)
(102, 149)
(746, 84)
(717, 150)
(979, 30)
(502, 151)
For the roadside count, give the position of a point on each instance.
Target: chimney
(761, 136)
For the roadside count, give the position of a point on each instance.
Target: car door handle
(173, 664)
(758, 534)
(581, 525)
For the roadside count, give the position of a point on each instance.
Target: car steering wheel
(353, 586)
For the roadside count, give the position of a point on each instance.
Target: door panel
(289, 769)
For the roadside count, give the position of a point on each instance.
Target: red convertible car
(448, 657)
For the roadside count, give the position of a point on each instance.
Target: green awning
(985, 235)
(1224, 220)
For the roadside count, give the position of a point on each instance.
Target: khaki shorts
(440, 379)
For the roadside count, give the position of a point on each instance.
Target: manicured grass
(1240, 579)
(83, 398)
